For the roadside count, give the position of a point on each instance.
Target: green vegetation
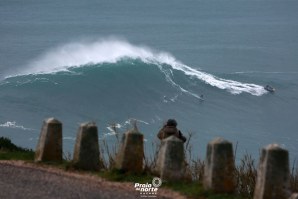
(245, 172)
(9, 151)
(189, 189)
(195, 190)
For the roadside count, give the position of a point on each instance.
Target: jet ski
(269, 88)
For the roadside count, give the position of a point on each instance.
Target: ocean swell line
(81, 54)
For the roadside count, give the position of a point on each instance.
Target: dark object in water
(269, 88)
(202, 97)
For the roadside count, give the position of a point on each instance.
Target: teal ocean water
(114, 61)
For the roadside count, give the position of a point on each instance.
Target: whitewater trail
(84, 54)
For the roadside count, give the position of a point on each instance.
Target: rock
(86, 151)
(219, 167)
(273, 179)
(131, 152)
(49, 147)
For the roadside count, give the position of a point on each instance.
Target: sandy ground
(19, 179)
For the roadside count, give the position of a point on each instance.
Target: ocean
(113, 62)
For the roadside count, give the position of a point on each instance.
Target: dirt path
(24, 180)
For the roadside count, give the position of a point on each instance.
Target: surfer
(170, 128)
(202, 97)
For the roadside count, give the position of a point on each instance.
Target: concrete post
(273, 178)
(49, 147)
(86, 150)
(131, 152)
(170, 164)
(219, 167)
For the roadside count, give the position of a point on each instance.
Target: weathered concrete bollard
(86, 150)
(273, 180)
(219, 167)
(170, 164)
(131, 152)
(294, 196)
(49, 147)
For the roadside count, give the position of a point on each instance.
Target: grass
(192, 189)
(245, 172)
(9, 151)
(16, 155)
(196, 190)
(189, 189)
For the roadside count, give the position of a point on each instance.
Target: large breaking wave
(83, 54)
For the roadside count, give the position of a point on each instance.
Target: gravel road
(24, 180)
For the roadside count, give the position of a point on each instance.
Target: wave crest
(81, 54)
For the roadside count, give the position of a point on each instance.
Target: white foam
(110, 50)
(265, 72)
(167, 99)
(131, 120)
(69, 138)
(230, 85)
(77, 54)
(112, 128)
(14, 125)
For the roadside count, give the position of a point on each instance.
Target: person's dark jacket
(167, 131)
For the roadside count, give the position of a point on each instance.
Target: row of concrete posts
(219, 171)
